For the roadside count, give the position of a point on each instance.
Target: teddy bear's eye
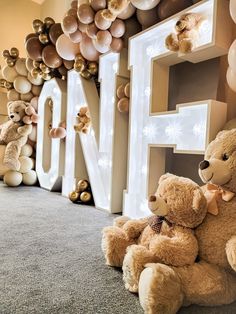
(17, 112)
(225, 157)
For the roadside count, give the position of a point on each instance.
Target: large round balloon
(70, 24)
(88, 50)
(85, 13)
(98, 4)
(51, 57)
(232, 9)
(117, 28)
(9, 73)
(34, 48)
(66, 48)
(101, 22)
(22, 85)
(232, 56)
(76, 37)
(231, 79)
(145, 4)
(54, 32)
(127, 13)
(147, 18)
(21, 67)
(169, 7)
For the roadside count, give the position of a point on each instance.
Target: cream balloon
(127, 13)
(231, 79)
(9, 73)
(35, 81)
(21, 67)
(22, 85)
(30, 178)
(29, 64)
(145, 4)
(88, 50)
(26, 97)
(232, 56)
(26, 164)
(33, 134)
(13, 95)
(66, 48)
(232, 9)
(36, 90)
(34, 102)
(26, 150)
(12, 178)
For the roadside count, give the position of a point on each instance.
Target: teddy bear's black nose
(204, 164)
(12, 116)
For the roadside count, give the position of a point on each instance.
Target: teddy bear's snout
(152, 198)
(12, 116)
(204, 164)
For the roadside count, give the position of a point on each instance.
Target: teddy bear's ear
(9, 103)
(221, 134)
(165, 176)
(197, 199)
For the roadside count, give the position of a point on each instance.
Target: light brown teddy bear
(186, 37)
(84, 120)
(167, 237)
(14, 133)
(212, 281)
(114, 8)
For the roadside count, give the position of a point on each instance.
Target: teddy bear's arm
(231, 252)
(180, 249)
(134, 227)
(25, 130)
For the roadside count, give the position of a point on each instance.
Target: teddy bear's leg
(231, 252)
(160, 290)
(114, 245)
(186, 45)
(172, 42)
(135, 259)
(12, 153)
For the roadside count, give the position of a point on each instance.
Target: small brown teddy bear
(14, 133)
(212, 281)
(114, 8)
(187, 33)
(84, 120)
(179, 205)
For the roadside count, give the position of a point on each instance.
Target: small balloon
(117, 44)
(50, 57)
(76, 37)
(48, 21)
(98, 4)
(29, 64)
(74, 4)
(68, 64)
(6, 53)
(117, 28)
(37, 80)
(80, 65)
(36, 90)
(85, 13)
(55, 31)
(10, 62)
(9, 73)
(14, 52)
(43, 38)
(101, 22)
(38, 26)
(93, 68)
(31, 35)
(92, 30)
(26, 97)
(104, 38)
(127, 13)
(82, 27)
(20, 67)
(70, 24)
(72, 12)
(34, 48)
(85, 74)
(13, 95)
(145, 4)
(44, 68)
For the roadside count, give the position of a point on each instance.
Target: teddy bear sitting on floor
(14, 133)
(167, 237)
(164, 289)
(186, 37)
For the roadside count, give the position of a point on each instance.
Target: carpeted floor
(51, 261)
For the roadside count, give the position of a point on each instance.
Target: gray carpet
(51, 261)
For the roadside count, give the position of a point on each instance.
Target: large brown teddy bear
(14, 133)
(212, 281)
(167, 237)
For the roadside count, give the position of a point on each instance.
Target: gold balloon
(14, 52)
(79, 57)
(85, 74)
(10, 62)
(36, 64)
(74, 196)
(82, 185)
(93, 68)
(6, 53)
(46, 76)
(48, 21)
(80, 65)
(2, 82)
(43, 38)
(44, 68)
(8, 85)
(38, 26)
(35, 73)
(86, 197)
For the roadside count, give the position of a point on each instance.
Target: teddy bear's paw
(131, 284)
(186, 46)
(172, 42)
(231, 252)
(160, 290)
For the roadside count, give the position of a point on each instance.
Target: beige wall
(55, 9)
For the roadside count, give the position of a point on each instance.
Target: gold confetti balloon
(38, 26)
(79, 65)
(85, 197)
(43, 38)
(93, 68)
(82, 185)
(74, 196)
(14, 52)
(10, 62)
(85, 74)
(44, 68)
(48, 21)
(6, 53)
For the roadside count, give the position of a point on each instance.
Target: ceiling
(38, 1)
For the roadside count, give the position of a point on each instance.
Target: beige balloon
(21, 67)
(12, 178)
(22, 85)
(13, 95)
(36, 81)
(36, 90)
(26, 97)
(9, 73)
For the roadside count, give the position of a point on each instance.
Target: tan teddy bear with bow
(167, 237)
(212, 281)
(14, 133)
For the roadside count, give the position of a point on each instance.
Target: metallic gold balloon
(79, 66)
(79, 57)
(35, 73)
(14, 52)
(46, 76)
(43, 38)
(74, 196)
(8, 85)
(36, 64)
(44, 68)
(2, 82)
(85, 197)
(85, 74)
(10, 62)
(93, 68)
(38, 26)
(82, 185)
(6, 53)
(48, 21)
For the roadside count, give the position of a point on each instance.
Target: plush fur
(134, 243)
(186, 33)
(114, 8)
(14, 133)
(213, 280)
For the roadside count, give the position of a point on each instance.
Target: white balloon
(26, 164)
(30, 178)
(9, 73)
(145, 4)
(21, 67)
(232, 9)
(26, 150)
(12, 178)
(66, 48)
(22, 85)
(35, 81)
(231, 79)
